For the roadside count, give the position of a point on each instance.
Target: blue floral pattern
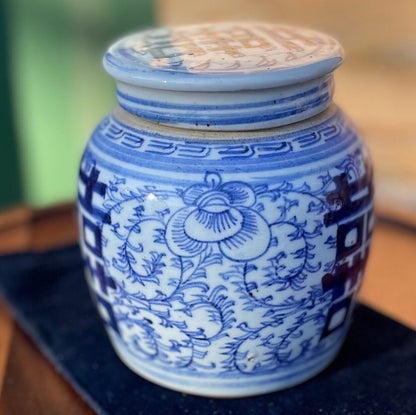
(218, 213)
(226, 276)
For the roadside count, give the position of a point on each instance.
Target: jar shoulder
(127, 135)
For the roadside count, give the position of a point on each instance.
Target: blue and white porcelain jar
(225, 207)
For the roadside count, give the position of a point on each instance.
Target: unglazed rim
(230, 137)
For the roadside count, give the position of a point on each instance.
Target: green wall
(10, 191)
(59, 89)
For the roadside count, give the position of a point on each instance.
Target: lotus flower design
(222, 214)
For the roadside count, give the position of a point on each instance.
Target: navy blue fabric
(375, 372)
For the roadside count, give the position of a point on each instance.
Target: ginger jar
(225, 207)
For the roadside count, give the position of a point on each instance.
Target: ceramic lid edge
(216, 83)
(222, 57)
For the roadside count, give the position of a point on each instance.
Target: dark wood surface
(30, 385)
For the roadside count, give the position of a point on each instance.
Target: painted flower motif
(221, 214)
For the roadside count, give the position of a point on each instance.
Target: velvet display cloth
(375, 373)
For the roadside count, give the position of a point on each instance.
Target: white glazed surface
(224, 263)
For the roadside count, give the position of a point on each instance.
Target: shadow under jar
(226, 207)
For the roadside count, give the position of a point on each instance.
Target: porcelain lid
(222, 57)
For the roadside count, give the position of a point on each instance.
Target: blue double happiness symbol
(225, 265)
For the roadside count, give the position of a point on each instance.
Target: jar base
(223, 387)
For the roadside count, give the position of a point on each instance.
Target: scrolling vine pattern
(223, 264)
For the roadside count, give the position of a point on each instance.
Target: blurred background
(54, 90)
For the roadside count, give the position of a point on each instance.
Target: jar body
(226, 264)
